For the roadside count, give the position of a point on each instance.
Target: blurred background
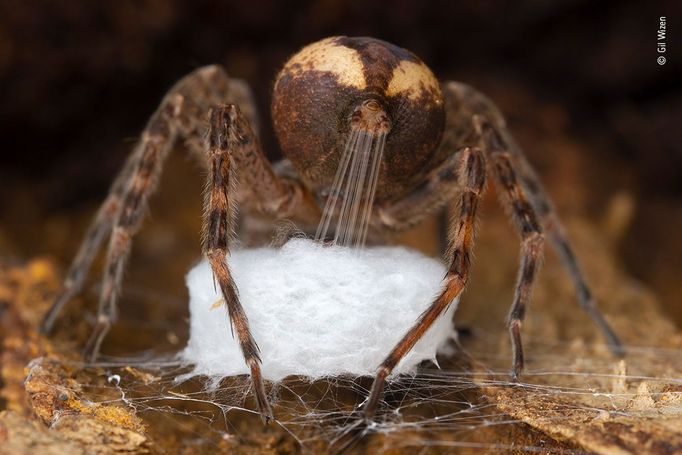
(578, 80)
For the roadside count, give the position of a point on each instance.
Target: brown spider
(440, 142)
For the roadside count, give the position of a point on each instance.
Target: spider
(440, 141)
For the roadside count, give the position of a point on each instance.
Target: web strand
(355, 184)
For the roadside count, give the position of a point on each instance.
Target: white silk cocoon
(316, 310)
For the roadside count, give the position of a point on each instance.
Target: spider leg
(557, 237)
(181, 115)
(514, 164)
(460, 238)
(232, 144)
(229, 136)
(155, 144)
(97, 231)
(512, 195)
(175, 114)
(473, 118)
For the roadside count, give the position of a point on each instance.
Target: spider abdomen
(320, 87)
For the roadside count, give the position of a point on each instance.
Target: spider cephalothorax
(328, 83)
(345, 110)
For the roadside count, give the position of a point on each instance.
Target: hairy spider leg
(543, 212)
(468, 111)
(182, 116)
(460, 239)
(556, 234)
(99, 228)
(224, 138)
(512, 195)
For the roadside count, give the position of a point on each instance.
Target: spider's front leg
(471, 180)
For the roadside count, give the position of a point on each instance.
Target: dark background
(79, 79)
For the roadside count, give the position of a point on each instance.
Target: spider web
(574, 391)
(460, 405)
